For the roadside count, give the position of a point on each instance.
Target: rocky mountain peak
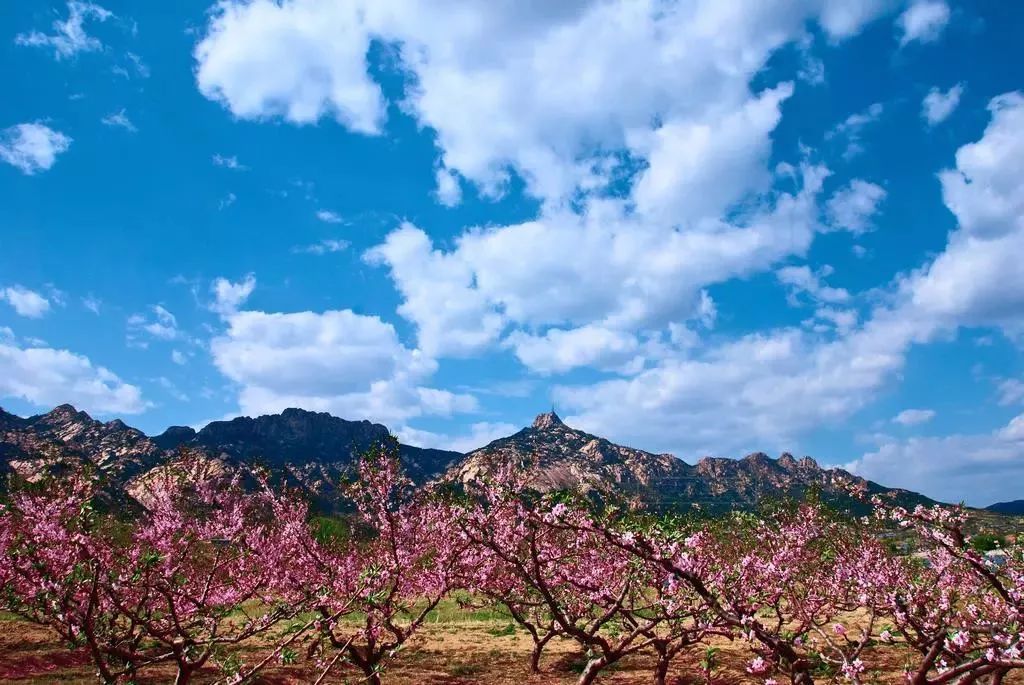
(66, 413)
(547, 421)
(174, 437)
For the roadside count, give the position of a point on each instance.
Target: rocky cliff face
(307, 450)
(562, 457)
(119, 451)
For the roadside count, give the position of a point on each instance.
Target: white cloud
(984, 468)
(558, 351)
(328, 217)
(178, 357)
(448, 192)
(119, 119)
(937, 106)
(226, 201)
(764, 390)
(163, 325)
(844, 320)
(325, 246)
(923, 21)
(626, 272)
(479, 434)
(229, 163)
(229, 296)
(852, 207)
(69, 37)
(851, 129)
(46, 377)
(758, 392)
(698, 168)
(171, 389)
(338, 361)
(1014, 430)
(294, 60)
(1011, 391)
(32, 147)
(452, 318)
(25, 302)
(985, 190)
(133, 66)
(802, 280)
(914, 417)
(510, 85)
(707, 310)
(93, 304)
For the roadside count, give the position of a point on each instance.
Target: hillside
(1014, 508)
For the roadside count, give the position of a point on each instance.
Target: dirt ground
(449, 653)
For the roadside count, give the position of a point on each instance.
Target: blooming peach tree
(192, 575)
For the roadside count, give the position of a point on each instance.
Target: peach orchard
(204, 561)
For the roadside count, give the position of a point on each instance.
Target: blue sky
(700, 227)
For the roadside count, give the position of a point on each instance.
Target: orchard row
(208, 563)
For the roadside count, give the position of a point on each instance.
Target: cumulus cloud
(764, 390)
(534, 88)
(452, 317)
(626, 271)
(852, 207)
(802, 280)
(292, 60)
(558, 351)
(33, 147)
(69, 36)
(938, 106)
(985, 190)
(45, 377)
(338, 361)
(480, 433)
(914, 417)
(923, 21)
(228, 296)
(448, 192)
(25, 302)
(985, 467)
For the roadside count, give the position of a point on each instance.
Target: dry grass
(454, 650)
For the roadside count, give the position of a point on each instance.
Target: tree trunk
(184, 675)
(593, 667)
(661, 669)
(538, 649)
(367, 663)
(802, 677)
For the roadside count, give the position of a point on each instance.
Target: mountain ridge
(563, 457)
(1013, 507)
(313, 450)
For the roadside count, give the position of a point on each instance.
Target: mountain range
(313, 451)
